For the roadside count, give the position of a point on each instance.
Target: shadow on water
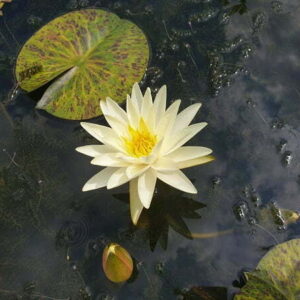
(168, 209)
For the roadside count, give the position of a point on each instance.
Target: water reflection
(168, 209)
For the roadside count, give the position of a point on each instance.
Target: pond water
(244, 68)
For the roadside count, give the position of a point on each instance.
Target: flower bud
(117, 263)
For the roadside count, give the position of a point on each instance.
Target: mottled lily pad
(90, 54)
(277, 276)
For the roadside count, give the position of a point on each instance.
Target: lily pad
(89, 55)
(277, 276)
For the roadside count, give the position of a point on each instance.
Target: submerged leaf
(117, 263)
(91, 54)
(203, 293)
(277, 275)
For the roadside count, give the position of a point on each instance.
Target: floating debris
(34, 20)
(252, 221)
(287, 158)
(160, 267)
(272, 214)
(277, 123)
(231, 45)
(277, 214)
(203, 16)
(85, 294)
(282, 145)
(277, 7)
(216, 180)
(181, 33)
(221, 70)
(153, 75)
(224, 18)
(197, 1)
(256, 199)
(241, 210)
(77, 4)
(258, 22)
(29, 287)
(246, 50)
(181, 64)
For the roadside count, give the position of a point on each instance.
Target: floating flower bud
(117, 263)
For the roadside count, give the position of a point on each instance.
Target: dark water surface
(245, 71)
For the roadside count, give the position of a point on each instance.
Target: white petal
(178, 180)
(118, 127)
(147, 104)
(157, 148)
(118, 178)
(104, 108)
(115, 116)
(185, 117)
(99, 180)
(159, 105)
(94, 130)
(95, 150)
(195, 162)
(180, 122)
(103, 134)
(136, 205)
(116, 111)
(137, 96)
(109, 160)
(147, 112)
(189, 152)
(165, 164)
(185, 135)
(167, 121)
(136, 170)
(146, 186)
(132, 113)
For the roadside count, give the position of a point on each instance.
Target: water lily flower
(144, 144)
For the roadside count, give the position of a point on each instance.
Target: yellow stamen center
(141, 140)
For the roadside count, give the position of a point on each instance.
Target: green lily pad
(90, 54)
(277, 276)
